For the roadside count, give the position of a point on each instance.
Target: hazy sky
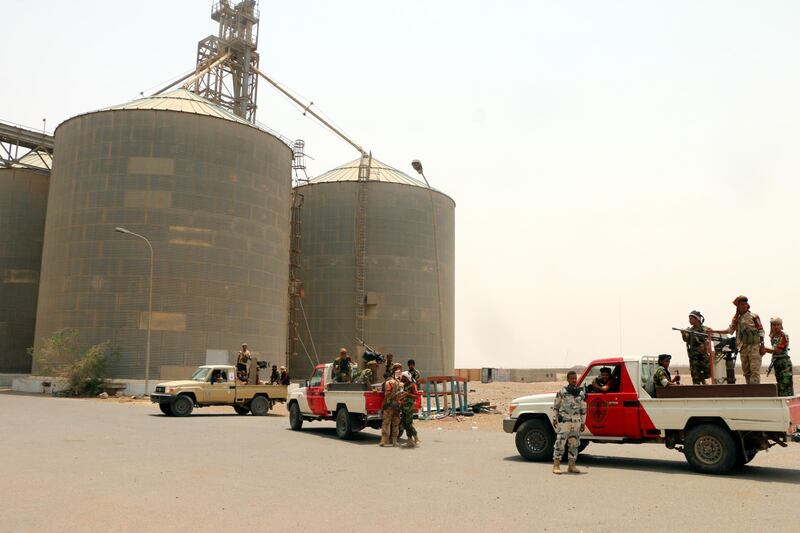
(608, 159)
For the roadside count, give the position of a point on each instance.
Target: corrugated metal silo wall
(212, 196)
(23, 203)
(402, 317)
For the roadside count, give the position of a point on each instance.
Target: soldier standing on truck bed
(390, 428)
(242, 358)
(341, 367)
(749, 338)
(780, 357)
(697, 348)
(569, 420)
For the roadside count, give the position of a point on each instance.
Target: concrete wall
(402, 310)
(23, 204)
(213, 197)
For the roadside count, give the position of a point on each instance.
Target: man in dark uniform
(341, 367)
(697, 347)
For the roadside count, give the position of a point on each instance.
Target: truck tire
(259, 406)
(710, 449)
(535, 440)
(295, 418)
(165, 408)
(344, 425)
(182, 405)
(241, 409)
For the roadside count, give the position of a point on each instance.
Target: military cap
(372, 362)
(396, 366)
(663, 357)
(740, 298)
(776, 320)
(698, 315)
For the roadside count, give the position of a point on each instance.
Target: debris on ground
(103, 395)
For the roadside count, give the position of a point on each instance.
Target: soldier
(285, 380)
(780, 357)
(242, 358)
(407, 408)
(697, 348)
(603, 382)
(412, 369)
(749, 338)
(275, 377)
(391, 407)
(341, 367)
(662, 377)
(569, 420)
(367, 374)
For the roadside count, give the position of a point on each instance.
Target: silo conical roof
(181, 100)
(378, 172)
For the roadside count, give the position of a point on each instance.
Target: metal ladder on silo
(361, 244)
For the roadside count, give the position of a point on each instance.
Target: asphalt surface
(88, 465)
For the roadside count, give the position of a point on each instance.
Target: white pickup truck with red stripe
(717, 427)
(353, 406)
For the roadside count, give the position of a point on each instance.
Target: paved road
(86, 465)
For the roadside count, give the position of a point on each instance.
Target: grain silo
(23, 202)
(211, 193)
(400, 296)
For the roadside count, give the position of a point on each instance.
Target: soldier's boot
(394, 442)
(384, 441)
(557, 466)
(572, 469)
(416, 440)
(410, 443)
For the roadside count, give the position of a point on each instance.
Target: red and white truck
(717, 427)
(353, 406)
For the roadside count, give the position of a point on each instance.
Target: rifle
(771, 364)
(701, 334)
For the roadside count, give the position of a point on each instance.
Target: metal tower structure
(299, 161)
(233, 82)
(18, 141)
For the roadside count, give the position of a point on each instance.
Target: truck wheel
(344, 427)
(241, 409)
(535, 440)
(165, 408)
(295, 418)
(182, 405)
(259, 406)
(710, 449)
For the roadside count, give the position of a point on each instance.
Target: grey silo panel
(23, 203)
(211, 195)
(401, 273)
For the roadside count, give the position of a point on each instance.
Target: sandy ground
(88, 465)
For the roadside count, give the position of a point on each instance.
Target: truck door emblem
(599, 411)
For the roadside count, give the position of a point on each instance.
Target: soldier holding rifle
(749, 338)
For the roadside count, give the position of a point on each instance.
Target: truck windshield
(201, 374)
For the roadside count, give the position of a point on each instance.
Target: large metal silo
(23, 203)
(402, 312)
(210, 191)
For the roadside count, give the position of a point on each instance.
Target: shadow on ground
(767, 474)
(361, 438)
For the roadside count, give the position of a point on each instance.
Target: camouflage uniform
(390, 428)
(782, 364)
(364, 376)
(661, 377)
(407, 409)
(341, 370)
(698, 354)
(570, 412)
(749, 336)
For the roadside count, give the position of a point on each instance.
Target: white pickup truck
(717, 427)
(353, 406)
